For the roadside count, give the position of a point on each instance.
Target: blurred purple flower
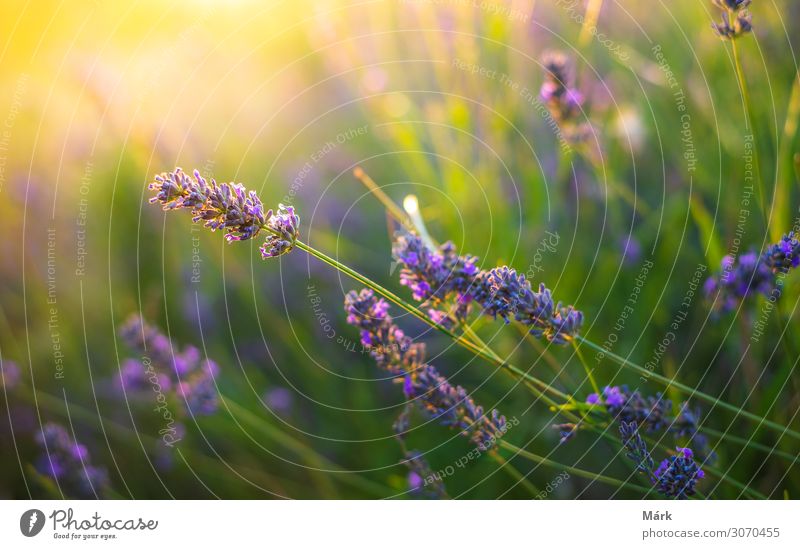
(67, 462)
(9, 374)
(279, 399)
(749, 274)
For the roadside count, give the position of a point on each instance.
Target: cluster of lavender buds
(387, 343)
(636, 448)
(736, 19)
(562, 99)
(440, 277)
(67, 462)
(503, 292)
(422, 383)
(653, 414)
(9, 375)
(228, 207)
(751, 274)
(422, 482)
(164, 368)
(675, 477)
(452, 406)
(443, 277)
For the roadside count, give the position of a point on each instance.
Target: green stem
(515, 474)
(387, 202)
(573, 470)
(748, 109)
(586, 368)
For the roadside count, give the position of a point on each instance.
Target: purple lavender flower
(736, 19)
(422, 481)
(286, 227)
(9, 374)
(453, 407)
(199, 391)
(562, 99)
(503, 292)
(179, 371)
(631, 250)
(441, 277)
(677, 475)
(636, 448)
(452, 283)
(686, 424)
(228, 207)
(500, 292)
(652, 412)
(422, 383)
(749, 274)
(386, 342)
(784, 255)
(279, 400)
(67, 462)
(566, 431)
(133, 377)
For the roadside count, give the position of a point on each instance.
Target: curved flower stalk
(675, 477)
(228, 207)
(452, 283)
(423, 385)
(67, 462)
(736, 19)
(749, 274)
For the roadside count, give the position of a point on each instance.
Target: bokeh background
(434, 98)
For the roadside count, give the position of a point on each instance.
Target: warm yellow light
(410, 204)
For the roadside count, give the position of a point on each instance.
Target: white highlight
(410, 204)
(34, 520)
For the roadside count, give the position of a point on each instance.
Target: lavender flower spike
(229, 207)
(423, 385)
(503, 292)
(422, 481)
(736, 19)
(749, 274)
(677, 475)
(67, 462)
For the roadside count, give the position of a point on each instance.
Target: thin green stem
(748, 109)
(573, 470)
(590, 21)
(387, 202)
(586, 368)
(749, 444)
(515, 473)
